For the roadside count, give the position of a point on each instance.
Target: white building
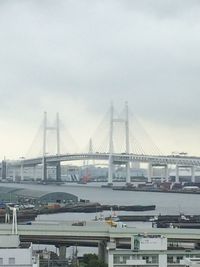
(152, 251)
(13, 253)
(194, 262)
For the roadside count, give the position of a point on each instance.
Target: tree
(91, 260)
(88, 257)
(96, 263)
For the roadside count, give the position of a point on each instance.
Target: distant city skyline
(75, 57)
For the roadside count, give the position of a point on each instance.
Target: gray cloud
(77, 56)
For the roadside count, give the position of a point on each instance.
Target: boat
(138, 208)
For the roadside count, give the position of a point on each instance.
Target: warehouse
(22, 195)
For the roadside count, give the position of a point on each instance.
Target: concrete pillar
(58, 172)
(110, 170)
(22, 172)
(44, 134)
(14, 174)
(44, 170)
(166, 173)
(149, 172)
(127, 128)
(193, 174)
(162, 260)
(58, 133)
(3, 169)
(128, 176)
(34, 173)
(162, 176)
(102, 251)
(177, 174)
(62, 253)
(14, 222)
(110, 161)
(110, 259)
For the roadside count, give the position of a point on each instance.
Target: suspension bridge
(130, 151)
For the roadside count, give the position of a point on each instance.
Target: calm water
(166, 203)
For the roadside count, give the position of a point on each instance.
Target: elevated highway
(112, 159)
(91, 233)
(184, 160)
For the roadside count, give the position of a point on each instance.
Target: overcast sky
(76, 56)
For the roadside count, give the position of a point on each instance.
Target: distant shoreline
(126, 188)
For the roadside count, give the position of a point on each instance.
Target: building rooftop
(13, 194)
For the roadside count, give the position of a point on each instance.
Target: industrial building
(11, 194)
(13, 253)
(151, 250)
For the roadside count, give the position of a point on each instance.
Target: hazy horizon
(75, 57)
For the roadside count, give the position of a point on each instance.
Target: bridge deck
(94, 232)
(117, 157)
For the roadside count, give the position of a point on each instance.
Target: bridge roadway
(91, 233)
(116, 157)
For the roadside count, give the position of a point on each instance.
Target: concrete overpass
(114, 158)
(54, 232)
(117, 157)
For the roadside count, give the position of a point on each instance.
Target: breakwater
(31, 214)
(96, 207)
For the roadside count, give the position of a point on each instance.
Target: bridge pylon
(47, 128)
(4, 169)
(91, 151)
(125, 121)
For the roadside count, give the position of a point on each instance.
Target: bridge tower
(125, 121)
(91, 151)
(45, 129)
(128, 178)
(4, 169)
(110, 167)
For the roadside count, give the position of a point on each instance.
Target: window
(11, 261)
(179, 258)
(153, 259)
(121, 259)
(170, 259)
(1, 261)
(146, 258)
